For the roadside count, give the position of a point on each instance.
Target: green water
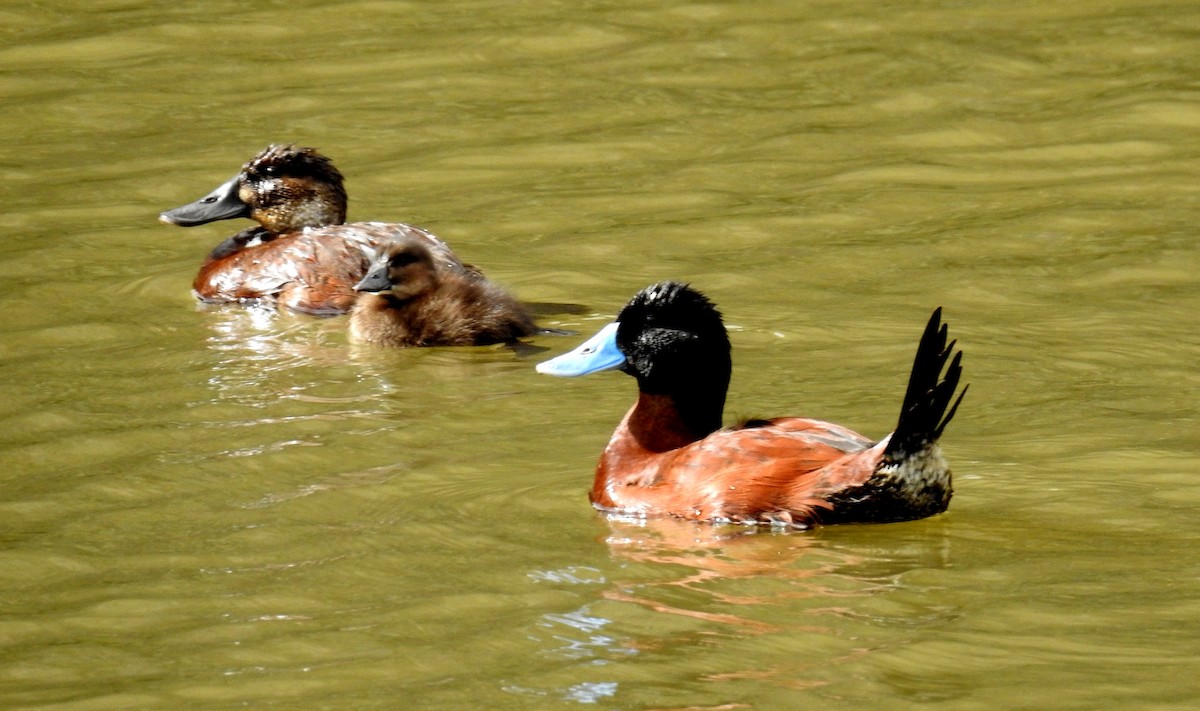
(222, 508)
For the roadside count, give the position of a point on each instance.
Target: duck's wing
(311, 271)
(765, 471)
(375, 237)
(239, 272)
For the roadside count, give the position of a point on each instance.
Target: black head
(675, 344)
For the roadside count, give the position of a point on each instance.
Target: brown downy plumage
(406, 300)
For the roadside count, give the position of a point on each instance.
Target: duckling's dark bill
(376, 280)
(221, 204)
(597, 353)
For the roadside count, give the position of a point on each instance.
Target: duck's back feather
(770, 471)
(312, 270)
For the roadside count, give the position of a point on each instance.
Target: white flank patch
(918, 472)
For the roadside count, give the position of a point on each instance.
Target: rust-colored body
(783, 471)
(312, 270)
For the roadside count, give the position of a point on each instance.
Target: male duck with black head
(407, 300)
(302, 254)
(670, 456)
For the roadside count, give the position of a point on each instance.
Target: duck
(406, 300)
(670, 455)
(302, 254)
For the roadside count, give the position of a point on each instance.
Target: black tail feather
(924, 414)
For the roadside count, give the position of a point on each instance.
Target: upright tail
(924, 414)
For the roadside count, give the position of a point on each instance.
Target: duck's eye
(270, 171)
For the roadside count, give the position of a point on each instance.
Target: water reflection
(676, 588)
(708, 558)
(258, 343)
(270, 339)
(266, 354)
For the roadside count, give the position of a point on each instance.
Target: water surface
(231, 508)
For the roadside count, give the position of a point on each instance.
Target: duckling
(302, 254)
(671, 457)
(406, 300)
